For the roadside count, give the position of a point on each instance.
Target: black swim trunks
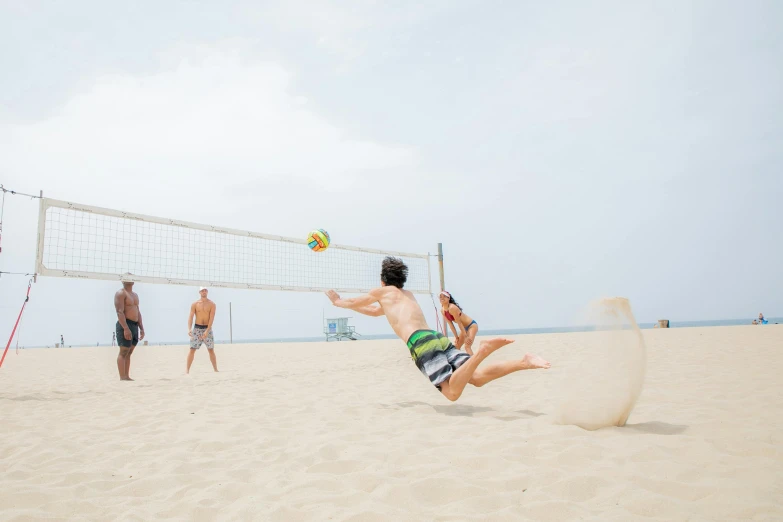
(435, 356)
(133, 326)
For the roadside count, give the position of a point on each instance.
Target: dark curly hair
(394, 272)
(454, 301)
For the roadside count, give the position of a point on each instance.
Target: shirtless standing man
(130, 329)
(204, 311)
(447, 368)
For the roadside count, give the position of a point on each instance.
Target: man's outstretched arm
(372, 311)
(359, 304)
(212, 313)
(190, 319)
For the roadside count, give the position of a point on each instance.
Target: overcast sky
(561, 151)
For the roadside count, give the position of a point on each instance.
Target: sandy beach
(352, 431)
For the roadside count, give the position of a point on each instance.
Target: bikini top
(448, 315)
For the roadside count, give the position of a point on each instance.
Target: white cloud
(211, 119)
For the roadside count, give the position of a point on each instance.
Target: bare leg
(452, 389)
(213, 358)
(493, 371)
(121, 362)
(190, 359)
(472, 332)
(127, 364)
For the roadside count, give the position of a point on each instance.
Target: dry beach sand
(352, 431)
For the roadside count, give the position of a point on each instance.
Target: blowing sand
(352, 431)
(605, 376)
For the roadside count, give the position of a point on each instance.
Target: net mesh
(89, 242)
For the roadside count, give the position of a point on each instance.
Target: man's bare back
(402, 310)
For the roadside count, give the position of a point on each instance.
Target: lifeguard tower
(338, 328)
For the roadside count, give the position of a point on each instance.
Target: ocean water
(511, 331)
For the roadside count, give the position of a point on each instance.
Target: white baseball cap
(202, 288)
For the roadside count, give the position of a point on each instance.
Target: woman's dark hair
(453, 301)
(394, 272)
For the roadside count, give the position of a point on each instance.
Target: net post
(230, 323)
(440, 266)
(39, 248)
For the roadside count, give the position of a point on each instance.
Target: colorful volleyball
(318, 240)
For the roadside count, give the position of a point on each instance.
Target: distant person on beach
(754, 322)
(204, 312)
(129, 327)
(447, 368)
(761, 319)
(466, 330)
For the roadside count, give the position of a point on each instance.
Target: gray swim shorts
(196, 341)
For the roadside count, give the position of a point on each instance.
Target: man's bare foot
(125, 379)
(532, 362)
(487, 347)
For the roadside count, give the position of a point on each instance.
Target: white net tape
(82, 241)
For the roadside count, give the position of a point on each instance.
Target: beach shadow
(453, 410)
(460, 410)
(407, 404)
(530, 413)
(658, 428)
(524, 415)
(463, 410)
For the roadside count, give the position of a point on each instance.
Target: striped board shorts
(435, 356)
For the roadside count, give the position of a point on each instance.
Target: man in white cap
(129, 328)
(204, 312)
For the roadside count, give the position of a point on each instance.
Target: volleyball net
(87, 242)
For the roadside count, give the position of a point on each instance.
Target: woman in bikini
(467, 328)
